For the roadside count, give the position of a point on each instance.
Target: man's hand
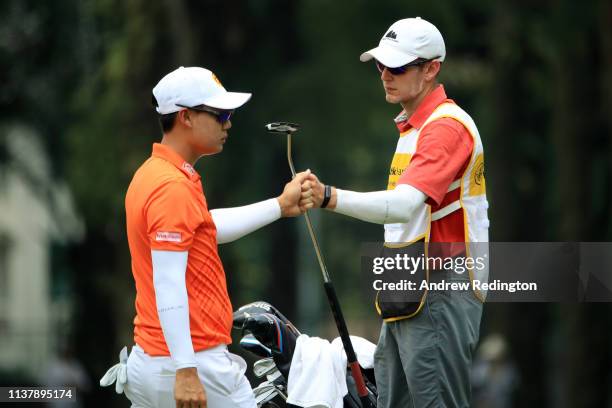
(318, 193)
(296, 198)
(188, 389)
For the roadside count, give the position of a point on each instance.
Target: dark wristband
(326, 196)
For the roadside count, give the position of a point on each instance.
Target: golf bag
(267, 333)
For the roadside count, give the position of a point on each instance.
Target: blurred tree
(536, 77)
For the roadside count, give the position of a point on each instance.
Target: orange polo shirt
(166, 210)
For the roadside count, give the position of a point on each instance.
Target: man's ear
(432, 69)
(184, 117)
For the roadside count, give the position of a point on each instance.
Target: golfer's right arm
(169, 268)
(236, 222)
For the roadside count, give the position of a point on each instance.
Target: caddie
(435, 194)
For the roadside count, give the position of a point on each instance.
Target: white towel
(364, 350)
(317, 377)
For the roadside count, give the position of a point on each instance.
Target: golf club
(288, 129)
(268, 390)
(264, 367)
(264, 393)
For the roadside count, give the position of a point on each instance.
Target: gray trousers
(425, 361)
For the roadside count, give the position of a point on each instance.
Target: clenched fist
(296, 198)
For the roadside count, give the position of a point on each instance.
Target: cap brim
(228, 100)
(388, 56)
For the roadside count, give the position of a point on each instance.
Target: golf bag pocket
(402, 287)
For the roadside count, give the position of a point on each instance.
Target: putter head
(282, 127)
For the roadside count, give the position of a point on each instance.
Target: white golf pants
(150, 380)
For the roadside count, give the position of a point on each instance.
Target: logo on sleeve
(168, 236)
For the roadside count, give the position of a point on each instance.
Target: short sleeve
(443, 150)
(173, 215)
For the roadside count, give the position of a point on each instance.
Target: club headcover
(259, 307)
(274, 334)
(250, 343)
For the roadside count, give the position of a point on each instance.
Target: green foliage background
(537, 78)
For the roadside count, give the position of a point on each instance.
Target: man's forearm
(169, 269)
(380, 207)
(236, 222)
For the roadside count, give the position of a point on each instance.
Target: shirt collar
(167, 153)
(422, 112)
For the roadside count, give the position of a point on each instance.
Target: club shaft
(330, 291)
(335, 304)
(313, 237)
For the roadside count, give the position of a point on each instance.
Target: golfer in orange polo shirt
(183, 311)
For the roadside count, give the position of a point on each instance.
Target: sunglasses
(401, 70)
(222, 116)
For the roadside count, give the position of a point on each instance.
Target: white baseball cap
(193, 86)
(405, 41)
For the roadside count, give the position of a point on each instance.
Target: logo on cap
(214, 77)
(391, 34)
